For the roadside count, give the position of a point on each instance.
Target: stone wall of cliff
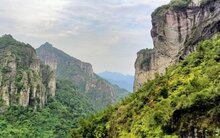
(23, 80)
(100, 92)
(175, 32)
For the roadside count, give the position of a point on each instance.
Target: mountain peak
(47, 45)
(8, 36)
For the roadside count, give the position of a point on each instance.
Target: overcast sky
(105, 33)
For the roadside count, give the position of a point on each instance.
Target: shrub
(6, 69)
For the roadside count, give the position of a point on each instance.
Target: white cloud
(30, 15)
(87, 29)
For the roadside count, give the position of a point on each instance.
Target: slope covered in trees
(184, 102)
(55, 120)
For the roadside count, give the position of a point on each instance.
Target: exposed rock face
(21, 75)
(64, 64)
(99, 91)
(175, 33)
(196, 2)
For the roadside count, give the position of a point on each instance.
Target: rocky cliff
(177, 27)
(182, 103)
(24, 80)
(100, 92)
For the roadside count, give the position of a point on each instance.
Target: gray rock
(175, 33)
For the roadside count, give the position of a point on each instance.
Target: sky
(105, 33)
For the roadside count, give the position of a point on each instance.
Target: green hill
(184, 102)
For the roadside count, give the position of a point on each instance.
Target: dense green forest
(55, 120)
(184, 100)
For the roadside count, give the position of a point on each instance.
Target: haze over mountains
(123, 81)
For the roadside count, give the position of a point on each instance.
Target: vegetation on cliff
(176, 5)
(55, 120)
(22, 80)
(183, 102)
(24, 53)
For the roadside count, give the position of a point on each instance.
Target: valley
(174, 92)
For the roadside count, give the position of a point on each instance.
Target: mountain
(100, 92)
(33, 102)
(184, 102)
(177, 27)
(24, 80)
(179, 99)
(123, 81)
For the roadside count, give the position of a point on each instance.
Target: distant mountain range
(123, 81)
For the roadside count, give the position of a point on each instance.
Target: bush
(6, 69)
(173, 5)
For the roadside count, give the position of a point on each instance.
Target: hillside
(176, 28)
(123, 81)
(100, 92)
(182, 103)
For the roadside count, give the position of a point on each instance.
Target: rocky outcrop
(63, 64)
(81, 74)
(22, 78)
(175, 32)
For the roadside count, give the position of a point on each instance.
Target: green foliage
(217, 132)
(173, 5)
(23, 52)
(54, 121)
(6, 69)
(18, 83)
(186, 97)
(178, 4)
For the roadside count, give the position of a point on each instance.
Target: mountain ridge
(101, 92)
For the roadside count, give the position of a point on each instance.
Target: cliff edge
(177, 28)
(24, 80)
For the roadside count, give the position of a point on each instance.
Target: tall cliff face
(99, 91)
(22, 77)
(176, 29)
